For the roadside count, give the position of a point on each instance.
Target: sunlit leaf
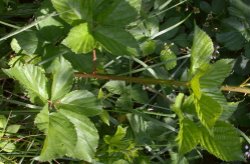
(80, 39)
(63, 76)
(188, 136)
(208, 110)
(224, 143)
(80, 101)
(216, 74)
(33, 79)
(201, 50)
(168, 56)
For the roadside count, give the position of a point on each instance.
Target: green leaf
(232, 40)
(12, 129)
(167, 55)
(178, 105)
(117, 137)
(33, 80)
(80, 39)
(80, 101)
(42, 119)
(216, 73)
(63, 76)
(224, 143)
(74, 10)
(208, 110)
(3, 124)
(195, 86)
(7, 146)
(61, 138)
(28, 41)
(87, 136)
(188, 136)
(228, 107)
(116, 13)
(116, 40)
(116, 87)
(201, 50)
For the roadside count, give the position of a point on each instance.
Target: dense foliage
(124, 81)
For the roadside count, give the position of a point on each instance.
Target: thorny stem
(157, 81)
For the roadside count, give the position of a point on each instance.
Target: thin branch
(157, 81)
(133, 79)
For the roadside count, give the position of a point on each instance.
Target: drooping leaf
(116, 40)
(80, 39)
(208, 110)
(32, 78)
(201, 50)
(87, 136)
(62, 73)
(216, 74)
(61, 138)
(188, 136)
(81, 102)
(225, 142)
(116, 13)
(75, 10)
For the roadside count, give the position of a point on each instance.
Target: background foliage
(124, 81)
